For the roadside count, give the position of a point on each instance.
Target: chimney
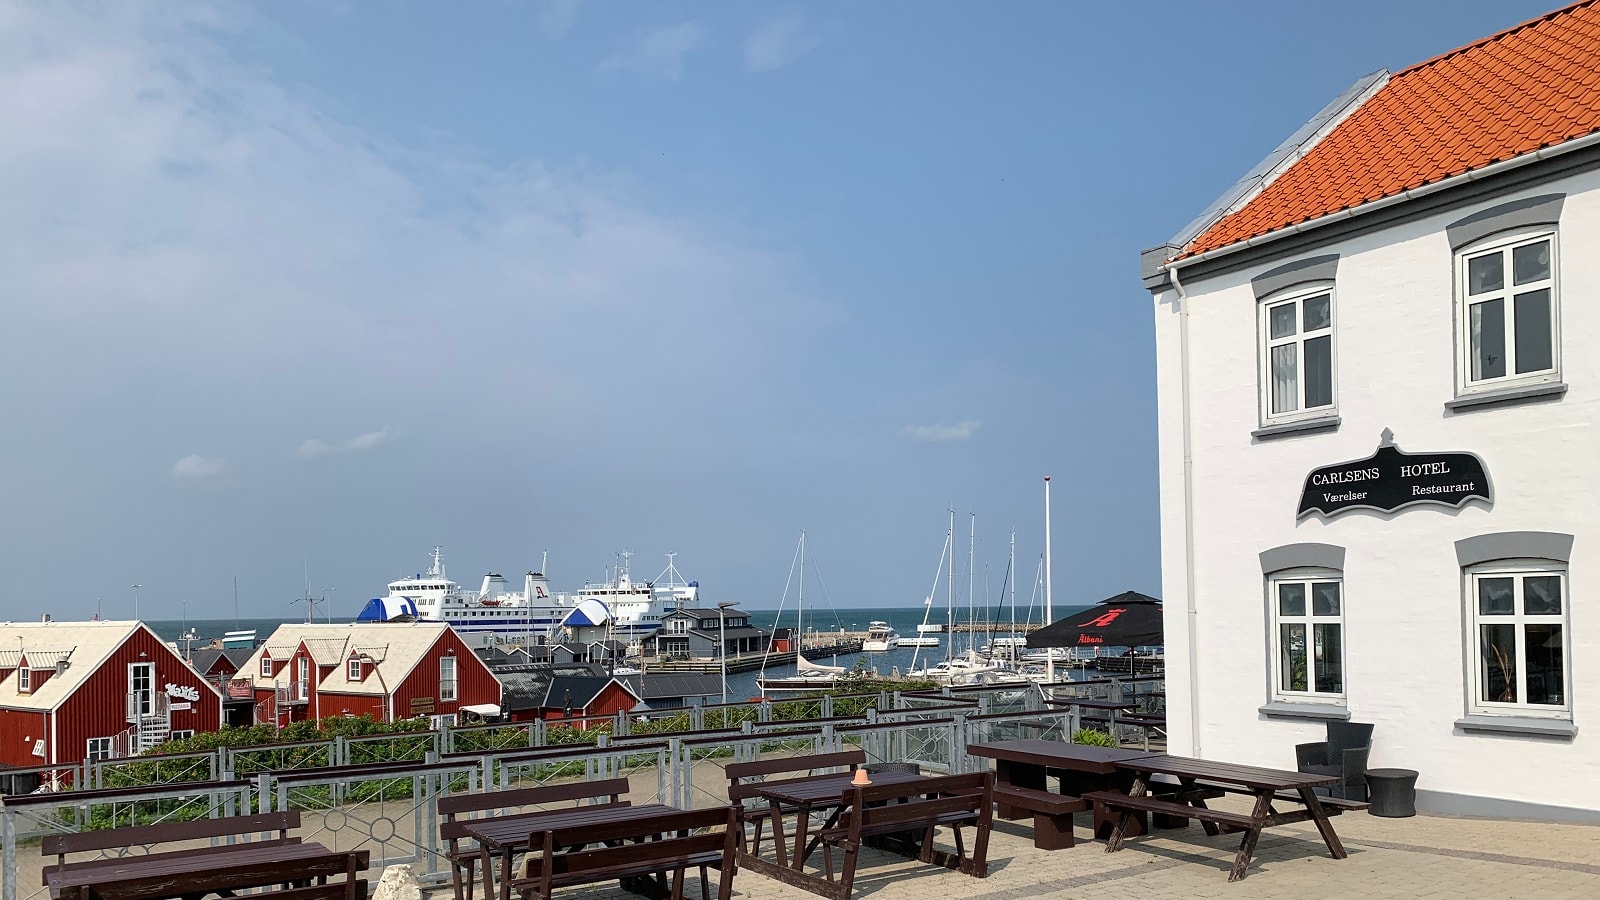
(46, 618)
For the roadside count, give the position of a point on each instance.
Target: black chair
(1344, 754)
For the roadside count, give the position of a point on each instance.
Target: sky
(293, 292)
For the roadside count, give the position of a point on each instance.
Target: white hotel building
(1379, 394)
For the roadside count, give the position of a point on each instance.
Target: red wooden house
(386, 670)
(71, 691)
(539, 693)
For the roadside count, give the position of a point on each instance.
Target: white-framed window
(182, 734)
(1307, 608)
(1518, 611)
(353, 672)
(266, 667)
(24, 679)
(97, 749)
(1297, 359)
(447, 678)
(1507, 326)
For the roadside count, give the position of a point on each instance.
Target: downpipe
(1190, 608)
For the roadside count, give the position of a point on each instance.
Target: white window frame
(447, 684)
(24, 679)
(1265, 343)
(1477, 704)
(1504, 243)
(353, 669)
(182, 734)
(99, 748)
(1307, 577)
(266, 667)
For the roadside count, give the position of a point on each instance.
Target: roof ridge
(1503, 33)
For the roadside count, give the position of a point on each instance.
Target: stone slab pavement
(1422, 856)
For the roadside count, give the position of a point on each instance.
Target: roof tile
(1529, 87)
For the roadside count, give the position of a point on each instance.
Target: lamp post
(366, 658)
(722, 640)
(136, 601)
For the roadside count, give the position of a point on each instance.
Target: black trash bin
(1392, 792)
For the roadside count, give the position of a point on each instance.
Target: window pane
(1546, 682)
(1319, 372)
(1530, 263)
(1486, 273)
(1499, 675)
(1496, 596)
(1488, 323)
(1285, 386)
(1318, 313)
(1291, 599)
(1541, 595)
(1292, 657)
(1281, 320)
(1330, 659)
(1533, 331)
(1325, 598)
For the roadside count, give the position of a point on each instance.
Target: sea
(741, 685)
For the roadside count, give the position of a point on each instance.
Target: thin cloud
(778, 43)
(660, 53)
(202, 471)
(934, 433)
(315, 448)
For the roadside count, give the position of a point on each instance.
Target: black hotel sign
(1391, 479)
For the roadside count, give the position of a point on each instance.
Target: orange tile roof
(1528, 87)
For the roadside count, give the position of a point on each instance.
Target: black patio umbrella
(1129, 619)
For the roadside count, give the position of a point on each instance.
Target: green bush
(1094, 737)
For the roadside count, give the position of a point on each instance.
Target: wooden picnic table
(220, 871)
(507, 836)
(1023, 767)
(803, 796)
(1199, 779)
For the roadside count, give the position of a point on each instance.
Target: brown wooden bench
(745, 780)
(1127, 805)
(641, 847)
(100, 840)
(458, 810)
(1052, 813)
(920, 806)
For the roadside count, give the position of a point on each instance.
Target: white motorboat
(881, 638)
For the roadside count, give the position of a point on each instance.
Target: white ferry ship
(625, 610)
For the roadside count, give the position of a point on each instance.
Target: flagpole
(1049, 614)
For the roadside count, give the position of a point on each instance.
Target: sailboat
(808, 676)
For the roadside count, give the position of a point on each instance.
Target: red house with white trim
(386, 670)
(71, 691)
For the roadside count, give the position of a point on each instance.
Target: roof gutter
(1516, 162)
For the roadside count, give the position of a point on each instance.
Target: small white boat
(881, 638)
(919, 642)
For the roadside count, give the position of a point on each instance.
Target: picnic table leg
(505, 875)
(1247, 846)
(1141, 784)
(1308, 796)
(802, 821)
(777, 831)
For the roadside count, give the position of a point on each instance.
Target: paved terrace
(1423, 856)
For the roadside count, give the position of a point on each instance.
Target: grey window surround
(1304, 426)
(1280, 710)
(1544, 209)
(1507, 397)
(1482, 548)
(1558, 728)
(1315, 268)
(1302, 556)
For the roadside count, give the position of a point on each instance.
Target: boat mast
(1011, 574)
(950, 592)
(1049, 614)
(972, 540)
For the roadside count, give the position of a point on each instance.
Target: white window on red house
(24, 678)
(266, 666)
(447, 678)
(98, 748)
(354, 673)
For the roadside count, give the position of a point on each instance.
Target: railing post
(958, 744)
(8, 855)
(538, 733)
(264, 792)
(827, 706)
(697, 718)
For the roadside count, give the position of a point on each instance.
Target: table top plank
(825, 788)
(501, 832)
(1256, 777)
(1058, 755)
(246, 865)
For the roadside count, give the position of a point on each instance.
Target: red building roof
(1528, 87)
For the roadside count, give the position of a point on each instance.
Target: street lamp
(136, 601)
(367, 659)
(722, 639)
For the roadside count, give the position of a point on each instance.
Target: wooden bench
(459, 809)
(955, 801)
(1129, 805)
(745, 779)
(641, 847)
(1052, 813)
(60, 845)
(1334, 805)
